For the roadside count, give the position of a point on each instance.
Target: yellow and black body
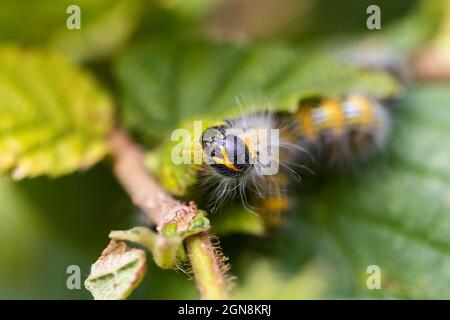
(331, 130)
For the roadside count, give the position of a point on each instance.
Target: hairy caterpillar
(332, 130)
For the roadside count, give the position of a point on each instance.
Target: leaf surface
(117, 272)
(53, 116)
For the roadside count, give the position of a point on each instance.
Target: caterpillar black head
(225, 152)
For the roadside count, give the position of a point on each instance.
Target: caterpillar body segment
(337, 131)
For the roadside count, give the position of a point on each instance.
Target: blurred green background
(393, 211)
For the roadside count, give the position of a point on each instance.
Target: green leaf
(264, 281)
(236, 219)
(193, 9)
(43, 22)
(164, 249)
(164, 82)
(405, 36)
(167, 245)
(53, 116)
(117, 272)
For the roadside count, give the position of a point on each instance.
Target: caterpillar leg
(272, 210)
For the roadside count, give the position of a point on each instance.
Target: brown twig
(144, 191)
(159, 206)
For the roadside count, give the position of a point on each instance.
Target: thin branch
(207, 266)
(130, 171)
(432, 65)
(160, 207)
